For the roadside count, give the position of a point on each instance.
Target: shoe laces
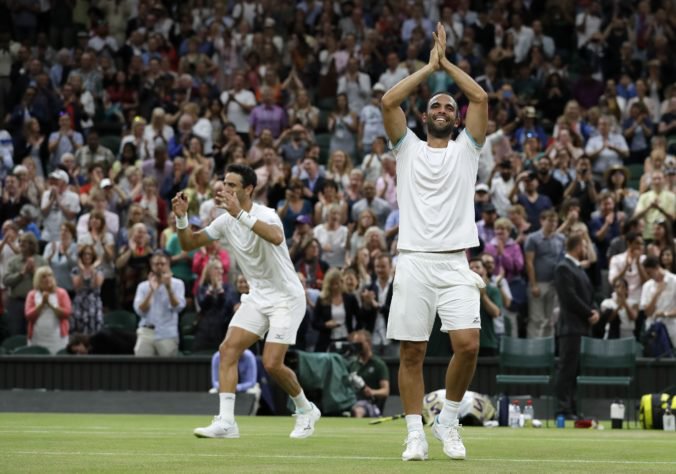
(453, 432)
(414, 439)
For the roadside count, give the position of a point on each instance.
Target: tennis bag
(474, 408)
(652, 408)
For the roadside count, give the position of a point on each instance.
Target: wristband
(247, 219)
(182, 222)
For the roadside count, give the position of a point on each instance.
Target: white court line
(188, 432)
(314, 457)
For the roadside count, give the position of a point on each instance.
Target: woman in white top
(332, 237)
(47, 311)
(619, 312)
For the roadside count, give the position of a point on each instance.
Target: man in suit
(577, 316)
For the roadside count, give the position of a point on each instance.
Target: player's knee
(228, 352)
(272, 365)
(411, 354)
(468, 348)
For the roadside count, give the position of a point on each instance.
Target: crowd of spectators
(109, 108)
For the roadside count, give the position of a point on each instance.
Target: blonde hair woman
(47, 309)
(337, 313)
(339, 168)
(198, 189)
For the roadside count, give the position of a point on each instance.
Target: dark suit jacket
(353, 319)
(369, 318)
(319, 186)
(576, 299)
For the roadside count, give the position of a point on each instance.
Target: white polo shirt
(665, 303)
(266, 267)
(435, 192)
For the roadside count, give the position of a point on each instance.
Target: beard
(439, 131)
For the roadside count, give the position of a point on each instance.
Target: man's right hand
(594, 318)
(535, 291)
(179, 204)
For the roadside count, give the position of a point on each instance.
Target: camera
(346, 349)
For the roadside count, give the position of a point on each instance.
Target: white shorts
(281, 320)
(427, 283)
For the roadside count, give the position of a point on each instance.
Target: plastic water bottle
(514, 414)
(528, 413)
(668, 420)
(616, 414)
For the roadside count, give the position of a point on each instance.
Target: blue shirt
(534, 209)
(161, 314)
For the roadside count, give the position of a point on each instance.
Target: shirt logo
(476, 321)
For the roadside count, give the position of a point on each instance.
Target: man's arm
(394, 117)
(476, 120)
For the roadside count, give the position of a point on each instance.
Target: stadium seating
(13, 342)
(616, 354)
(533, 354)
(121, 320)
(324, 142)
(31, 350)
(635, 172)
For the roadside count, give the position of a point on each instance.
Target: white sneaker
(449, 435)
(416, 447)
(305, 423)
(218, 429)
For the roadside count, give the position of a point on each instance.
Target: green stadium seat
(121, 319)
(617, 355)
(12, 342)
(187, 322)
(533, 354)
(324, 142)
(112, 142)
(31, 350)
(635, 173)
(326, 103)
(187, 342)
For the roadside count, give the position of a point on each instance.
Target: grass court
(74, 443)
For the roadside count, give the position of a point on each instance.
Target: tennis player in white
(435, 191)
(275, 304)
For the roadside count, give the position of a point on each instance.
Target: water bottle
(514, 414)
(668, 420)
(617, 414)
(528, 413)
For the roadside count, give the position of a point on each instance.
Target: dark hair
(573, 241)
(547, 213)
(629, 225)
(651, 262)
(330, 183)
(632, 236)
(247, 174)
(477, 259)
(87, 248)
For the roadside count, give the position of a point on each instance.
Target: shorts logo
(278, 336)
(476, 321)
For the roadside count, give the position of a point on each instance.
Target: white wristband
(182, 222)
(247, 219)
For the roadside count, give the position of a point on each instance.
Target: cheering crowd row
(109, 111)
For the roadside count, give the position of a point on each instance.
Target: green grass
(70, 443)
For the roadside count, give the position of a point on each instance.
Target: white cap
(481, 187)
(105, 182)
(378, 87)
(60, 175)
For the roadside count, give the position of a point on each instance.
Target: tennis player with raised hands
(275, 304)
(435, 192)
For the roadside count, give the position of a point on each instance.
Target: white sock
(303, 405)
(414, 423)
(449, 413)
(227, 407)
